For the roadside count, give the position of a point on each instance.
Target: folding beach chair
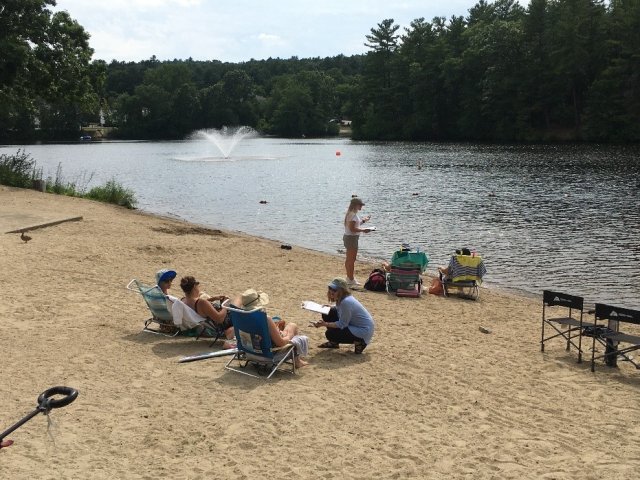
(464, 275)
(612, 338)
(161, 316)
(162, 319)
(569, 324)
(254, 344)
(405, 277)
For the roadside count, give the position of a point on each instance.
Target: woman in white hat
(352, 230)
(354, 324)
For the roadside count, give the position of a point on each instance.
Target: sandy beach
(431, 397)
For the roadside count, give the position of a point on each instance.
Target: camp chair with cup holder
(464, 274)
(405, 275)
(255, 346)
(565, 318)
(616, 343)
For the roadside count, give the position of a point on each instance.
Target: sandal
(359, 347)
(329, 345)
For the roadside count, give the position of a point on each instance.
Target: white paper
(315, 307)
(371, 228)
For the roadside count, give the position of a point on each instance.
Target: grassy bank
(20, 170)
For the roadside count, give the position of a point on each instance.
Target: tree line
(556, 70)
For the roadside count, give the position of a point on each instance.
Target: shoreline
(371, 262)
(431, 397)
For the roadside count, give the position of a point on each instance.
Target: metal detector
(46, 402)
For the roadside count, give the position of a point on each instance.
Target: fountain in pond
(225, 138)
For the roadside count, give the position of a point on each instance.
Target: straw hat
(252, 299)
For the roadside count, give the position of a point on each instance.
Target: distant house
(345, 123)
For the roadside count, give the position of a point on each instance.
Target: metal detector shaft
(20, 423)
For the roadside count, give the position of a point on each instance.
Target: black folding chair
(611, 337)
(568, 326)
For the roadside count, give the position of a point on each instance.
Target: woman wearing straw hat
(352, 231)
(280, 333)
(354, 324)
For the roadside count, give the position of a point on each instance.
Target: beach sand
(431, 397)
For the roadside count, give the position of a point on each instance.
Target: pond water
(563, 217)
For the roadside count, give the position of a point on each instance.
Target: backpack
(377, 281)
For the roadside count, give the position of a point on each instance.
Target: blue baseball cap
(165, 275)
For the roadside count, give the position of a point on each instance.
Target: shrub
(17, 170)
(114, 193)
(59, 186)
(20, 171)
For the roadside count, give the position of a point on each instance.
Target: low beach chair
(162, 321)
(405, 277)
(568, 323)
(254, 345)
(161, 316)
(191, 323)
(464, 275)
(612, 338)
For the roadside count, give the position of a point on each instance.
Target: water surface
(543, 217)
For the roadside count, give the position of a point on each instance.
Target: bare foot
(301, 363)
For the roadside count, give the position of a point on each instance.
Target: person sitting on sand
(251, 299)
(203, 306)
(354, 323)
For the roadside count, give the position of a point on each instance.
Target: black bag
(377, 281)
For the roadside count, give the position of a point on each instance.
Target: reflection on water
(563, 217)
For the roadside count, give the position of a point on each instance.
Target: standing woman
(352, 230)
(354, 323)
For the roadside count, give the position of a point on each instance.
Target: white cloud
(270, 40)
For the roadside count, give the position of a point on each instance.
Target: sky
(241, 30)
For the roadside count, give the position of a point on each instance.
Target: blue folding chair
(255, 346)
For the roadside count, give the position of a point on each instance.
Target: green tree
(613, 102)
(577, 51)
(45, 74)
(301, 104)
(381, 87)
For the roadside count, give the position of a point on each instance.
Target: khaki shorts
(350, 241)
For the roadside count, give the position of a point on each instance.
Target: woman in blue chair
(281, 333)
(353, 325)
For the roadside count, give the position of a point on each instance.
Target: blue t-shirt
(353, 315)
